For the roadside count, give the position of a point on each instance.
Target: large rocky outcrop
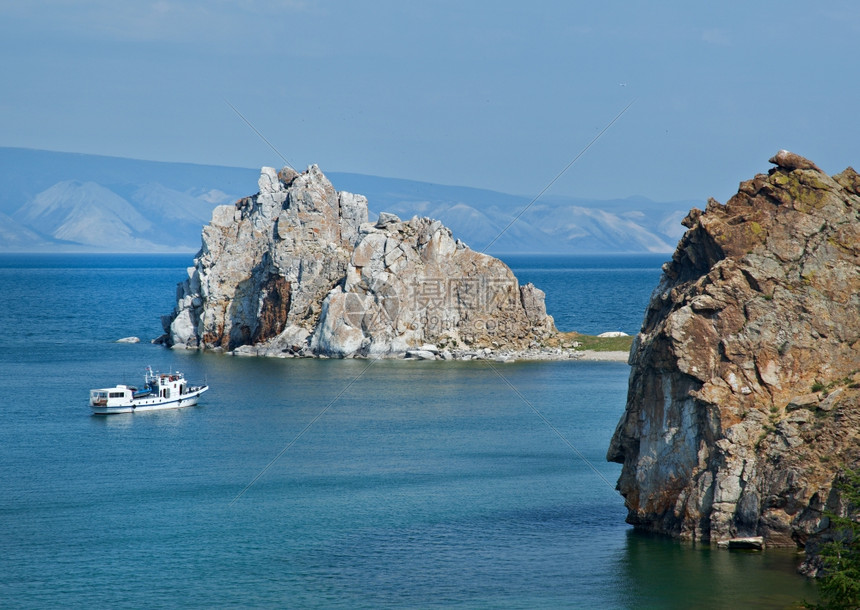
(297, 269)
(743, 400)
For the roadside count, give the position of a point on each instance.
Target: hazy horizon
(54, 201)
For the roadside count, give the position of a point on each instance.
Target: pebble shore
(431, 352)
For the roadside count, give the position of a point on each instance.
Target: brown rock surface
(743, 400)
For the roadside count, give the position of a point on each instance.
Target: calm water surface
(591, 294)
(420, 484)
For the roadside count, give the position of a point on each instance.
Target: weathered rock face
(743, 399)
(297, 269)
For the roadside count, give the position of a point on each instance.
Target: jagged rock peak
(743, 397)
(298, 269)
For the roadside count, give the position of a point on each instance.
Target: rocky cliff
(297, 270)
(744, 399)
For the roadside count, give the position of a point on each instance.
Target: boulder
(420, 354)
(386, 218)
(791, 161)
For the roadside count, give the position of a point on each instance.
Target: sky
(499, 95)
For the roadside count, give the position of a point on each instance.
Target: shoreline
(528, 355)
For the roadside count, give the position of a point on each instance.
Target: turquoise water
(394, 484)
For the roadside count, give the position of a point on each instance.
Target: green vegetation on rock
(840, 581)
(592, 342)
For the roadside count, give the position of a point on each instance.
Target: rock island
(297, 270)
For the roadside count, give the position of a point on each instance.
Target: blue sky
(498, 95)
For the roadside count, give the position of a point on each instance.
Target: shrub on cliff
(840, 583)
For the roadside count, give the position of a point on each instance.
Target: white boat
(160, 391)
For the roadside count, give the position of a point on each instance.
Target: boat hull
(156, 403)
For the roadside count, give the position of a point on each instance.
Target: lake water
(389, 483)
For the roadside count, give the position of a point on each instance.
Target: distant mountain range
(54, 201)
